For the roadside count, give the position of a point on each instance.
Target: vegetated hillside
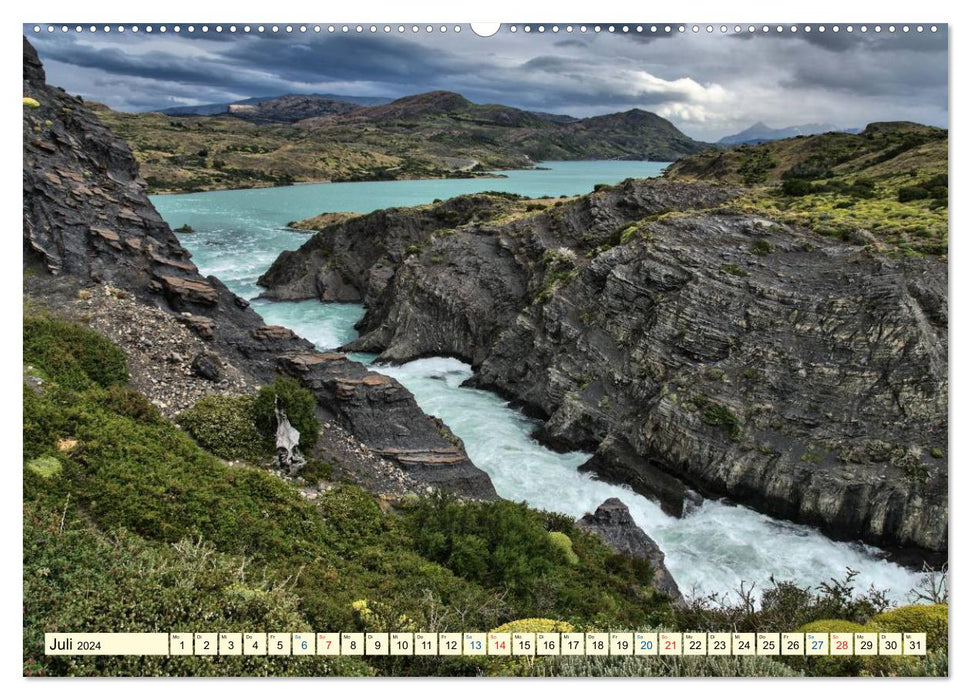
(282, 108)
(887, 185)
(683, 339)
(289, 109)
(131, 526)
(437, 134)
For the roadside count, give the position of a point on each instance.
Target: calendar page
(546, 349)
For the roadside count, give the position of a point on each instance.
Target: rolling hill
(437, 134)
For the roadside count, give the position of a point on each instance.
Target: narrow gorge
(691, 345)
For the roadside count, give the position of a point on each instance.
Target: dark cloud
(350, 58)
(169, 66)
(648, 36)
(855, 41)
(926, 41)
(708, 84)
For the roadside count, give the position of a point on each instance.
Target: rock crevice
(695, 348)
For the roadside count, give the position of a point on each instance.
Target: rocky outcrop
(88, 224)
(801, 375)
(617, 461)
(613, 522)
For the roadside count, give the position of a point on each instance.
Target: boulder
(613, 522)
(207, 366)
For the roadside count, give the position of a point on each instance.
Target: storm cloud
(709, 85)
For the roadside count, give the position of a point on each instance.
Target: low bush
(908, 194)
(71, 355)
(563, 543)
(930, 619)
(78, 579)
(535, 624)
(761, 247)
(317, 470)
(226, 426)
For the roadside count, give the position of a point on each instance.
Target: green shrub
(930, 619)
(506, 546)
(535, 624)
(71, 355)
(128, 402)
(797, 188)
(45, 467)
(299, 405)
(938, 181)
(714, 413)
(78, 579)
(733, 270)
(908, 194)
(659, 666)
(225, 426)
(563, 543)
(762, 247)
(756, 166)
(317, 470)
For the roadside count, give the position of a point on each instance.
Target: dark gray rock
(616, 461)
(613, 522)
(206, 365)
(88, 219)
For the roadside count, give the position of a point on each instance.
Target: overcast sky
(709, 85)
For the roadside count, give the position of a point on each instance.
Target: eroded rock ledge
(801, 375)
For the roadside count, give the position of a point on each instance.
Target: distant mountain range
(304, 138)
(281, 108)
(761, 132)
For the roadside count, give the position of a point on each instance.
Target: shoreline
(491, 175)
(497, 174)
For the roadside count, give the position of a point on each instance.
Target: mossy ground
(918, 227)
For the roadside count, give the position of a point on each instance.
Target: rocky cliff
(687, 342)
(88, 222)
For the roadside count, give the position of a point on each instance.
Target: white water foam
(711, 550)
